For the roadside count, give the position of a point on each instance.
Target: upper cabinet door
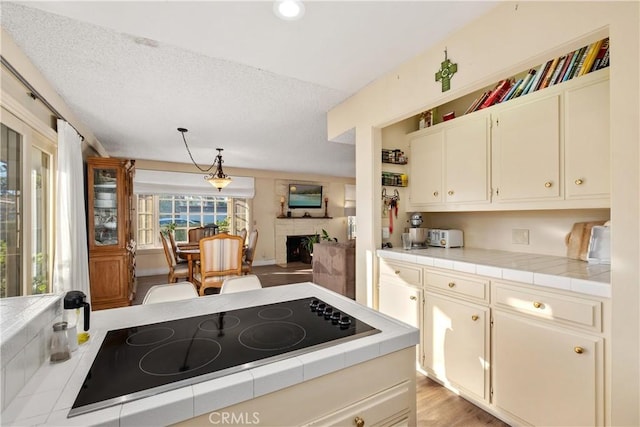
(425, 169)
(466, 147)
(527, 151)
(587, 143)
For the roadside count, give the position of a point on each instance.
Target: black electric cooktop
(140, 361)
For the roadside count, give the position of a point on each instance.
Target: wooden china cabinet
(110, 233)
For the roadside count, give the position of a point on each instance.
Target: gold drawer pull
(548, 184)
(451, 284)
(578, 349)
(359, 422)
(413, 298)
(578, 181)
(474, 317)
(450, 192)
(435, 194)
(397, 271)
(537, 304)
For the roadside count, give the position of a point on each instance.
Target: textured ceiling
(231, 72)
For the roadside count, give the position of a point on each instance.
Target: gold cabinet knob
(578, 349)
(451, 284)
(435, 194)
(359, 422)
(548, 184)
(474, 317)
(537, 304)
(450, 192)
(578, 181)
(413, 298)
(397, 271)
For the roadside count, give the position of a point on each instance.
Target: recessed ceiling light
(288, 10)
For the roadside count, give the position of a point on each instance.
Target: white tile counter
(48, 397)
(544, 270)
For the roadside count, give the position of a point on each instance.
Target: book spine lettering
(600, 55)
(581, 62)
(572, 65)
(588, 62)
(550, 71)
(556, 73)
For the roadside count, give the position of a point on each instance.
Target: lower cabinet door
(456, 343)
(546, 375)
(400, 302)
(109, 278)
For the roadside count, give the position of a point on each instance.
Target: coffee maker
(417, 235)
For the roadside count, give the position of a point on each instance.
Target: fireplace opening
(297, 249)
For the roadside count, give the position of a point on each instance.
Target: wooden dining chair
(220, 258)
(174, 247)
(249, 253)
(195, 234)
(176, 270)
(243, 233)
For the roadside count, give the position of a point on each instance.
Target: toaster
(445, 238)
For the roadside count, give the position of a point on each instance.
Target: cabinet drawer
(562, 308)
(457, 285)
(386, 408)
(400, 273)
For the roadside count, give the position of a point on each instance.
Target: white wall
(511, 38)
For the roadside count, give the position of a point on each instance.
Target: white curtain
(71, 267)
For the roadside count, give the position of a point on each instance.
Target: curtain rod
(33, 93)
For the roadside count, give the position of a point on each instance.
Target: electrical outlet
(520, 236)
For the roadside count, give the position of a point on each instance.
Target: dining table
(190, 252)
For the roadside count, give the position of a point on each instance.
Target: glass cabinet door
(105, 206)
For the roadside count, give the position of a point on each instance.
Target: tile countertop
(47, 398)
(544, 270)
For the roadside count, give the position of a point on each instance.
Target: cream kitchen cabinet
(526, 156)
(456, 350)
(586, 121)
(400, 294)
(456, 331)
(546, 349)
(450, 163)
(425, 169)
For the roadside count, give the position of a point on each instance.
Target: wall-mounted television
(305, 196)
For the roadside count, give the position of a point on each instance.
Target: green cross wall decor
(446, 71)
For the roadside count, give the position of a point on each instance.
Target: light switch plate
(385, 233)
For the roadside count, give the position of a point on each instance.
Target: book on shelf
(574, 62)
(605, 60)
(600, 55)
(565, 67)
(483, 97)
(549, 74)
(580, 62)
(496, 94)
(509, 94)
(525, 82)
(591, 56)
(556, 72)
(537, 81)
(474, 104)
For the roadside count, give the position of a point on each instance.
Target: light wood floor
(440, 407)
(436, 406)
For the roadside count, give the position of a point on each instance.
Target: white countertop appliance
(443, 238)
